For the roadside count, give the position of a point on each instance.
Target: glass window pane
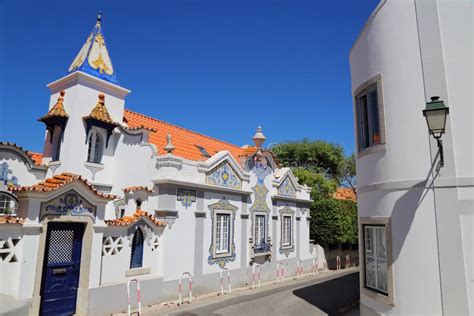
(374, 118)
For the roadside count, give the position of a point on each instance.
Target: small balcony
(262, 247)
(260, 252)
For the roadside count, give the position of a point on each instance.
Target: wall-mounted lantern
(436, 113)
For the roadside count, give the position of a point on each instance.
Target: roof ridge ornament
(169, 146)
(93, 58)
(259, 138)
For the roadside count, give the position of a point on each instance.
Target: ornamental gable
(287, 188)
(224, 176)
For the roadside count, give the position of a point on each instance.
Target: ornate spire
(100, 112)
(56, 116)
(93, 58)
(169, 146)
(57, 110)
(259, 138)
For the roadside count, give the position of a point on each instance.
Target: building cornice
(290, 199)
(201, 186)
(79, 77)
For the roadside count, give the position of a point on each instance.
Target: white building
(416, 216)
(118, 195)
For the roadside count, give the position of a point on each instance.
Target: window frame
(133, 248)
(3, 203)
(220, 253)
(289, 242)
(220, 230)
(374, 254)
(369, 291)
(256, 227)
(92, 147)
(374, 84)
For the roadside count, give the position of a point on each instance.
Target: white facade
(137, 196)
(409, 51)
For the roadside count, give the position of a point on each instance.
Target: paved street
(332, 294)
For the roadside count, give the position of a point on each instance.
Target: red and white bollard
(348, 261)
(190, 279)
(338, 263)
(256, 265)
(138, 297)
(280, 274)
(229, 290)
(299, 269)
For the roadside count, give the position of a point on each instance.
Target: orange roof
(37, 157)
(183, 139)
(345, 194)
(11, 220)
(54, 183)
(127, 220)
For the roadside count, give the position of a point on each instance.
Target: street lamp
(436, 113)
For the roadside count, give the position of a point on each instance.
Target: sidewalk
(238, 294)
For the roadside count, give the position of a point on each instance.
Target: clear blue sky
(217, 67)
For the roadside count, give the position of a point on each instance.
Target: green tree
(334, 222)
(348, 173)
(317, 164)
(323, 167)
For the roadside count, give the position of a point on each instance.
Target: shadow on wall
(332, 296)
(405, 208)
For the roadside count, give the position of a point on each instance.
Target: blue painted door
(62, 259)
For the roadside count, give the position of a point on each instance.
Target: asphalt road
(333, 295)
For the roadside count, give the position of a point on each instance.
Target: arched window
(136, 258)
(94, 153)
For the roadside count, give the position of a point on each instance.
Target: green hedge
(334, 222)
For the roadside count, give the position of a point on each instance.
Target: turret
(86, 107)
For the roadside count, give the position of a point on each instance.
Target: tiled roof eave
(11, 220)
(58, 181)
(130, 220)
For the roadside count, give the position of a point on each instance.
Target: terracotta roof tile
(11, 220)
(345, 194)
(100, 112)
(52, 184)
(127, 220)
(57, 110)
(36, 157)
(183, 139)
(137, 188)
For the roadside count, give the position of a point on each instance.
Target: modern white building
(118, 195)
(416, 215)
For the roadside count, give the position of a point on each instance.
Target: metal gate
(62, 259)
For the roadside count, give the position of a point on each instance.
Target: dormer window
(55, 121)
(96, 145)
(203, 151)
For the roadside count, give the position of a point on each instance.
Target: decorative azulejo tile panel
(5, 175)
(186, 197)
(287, 188)
(224, 176)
